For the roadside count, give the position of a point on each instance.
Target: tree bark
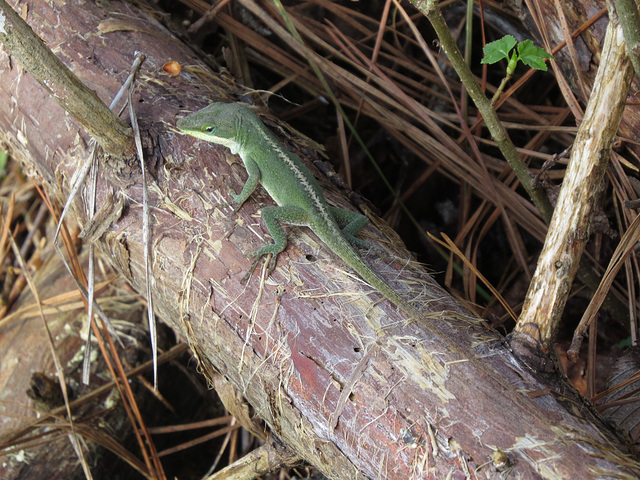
(440, 399)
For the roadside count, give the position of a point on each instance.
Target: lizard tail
(347, 254)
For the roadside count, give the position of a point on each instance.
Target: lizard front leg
(273, 217)
(249, 187)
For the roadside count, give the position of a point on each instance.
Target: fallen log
(443, 398)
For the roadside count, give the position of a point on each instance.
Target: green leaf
(496, 51)
(533, 56)
(625, 343)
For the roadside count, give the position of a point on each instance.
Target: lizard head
(217, 123)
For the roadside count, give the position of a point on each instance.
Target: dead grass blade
(449, 244)
(110, 352)
(74, 438)
(622, 252)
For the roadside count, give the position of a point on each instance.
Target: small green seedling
(526, 52)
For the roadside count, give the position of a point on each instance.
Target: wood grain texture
(425, 401)
(579, 195)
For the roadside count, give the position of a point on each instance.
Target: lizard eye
(209, 129)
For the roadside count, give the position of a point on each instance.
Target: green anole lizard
(291, 185)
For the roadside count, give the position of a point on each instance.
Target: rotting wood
(436, 400)
(26, 353)
(110, 131)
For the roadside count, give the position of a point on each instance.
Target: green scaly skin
(291, 185)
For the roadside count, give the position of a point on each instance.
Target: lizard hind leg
(273, 218)
(351, 224)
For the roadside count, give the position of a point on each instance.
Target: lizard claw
(234, 201)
